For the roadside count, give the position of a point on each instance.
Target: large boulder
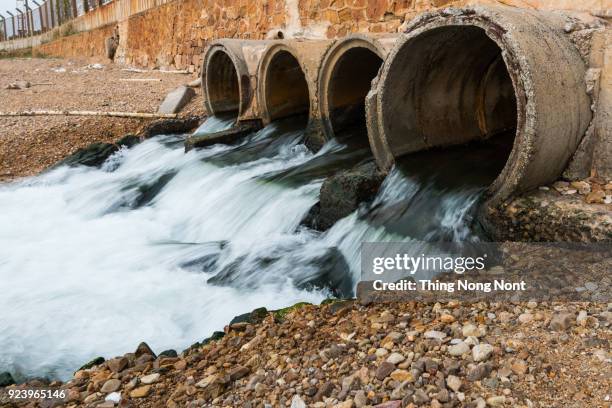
(6, 379)
(93, 155)
(342, 193)
(170, 127)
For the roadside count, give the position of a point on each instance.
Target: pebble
(519, 367)
(525, 318)
(434, 334)
(140, 392)
(453, 382)
(384, 369)
(395, 358)
(111, 385)
(458, 349)
(482, 352)
(297, 402)
(561, 321)
(114, 397)
(496, 401)
(150, 379)
(470, 330)
(116, 365)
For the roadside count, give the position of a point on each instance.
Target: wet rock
(342, 193)
(170, 127)
(6, 379)
(92, 156)
(176, 100)
(128, 141)
(96, 361)
(228, 136)
(254, 317)
(142, 349)
(168, 353)
(561, 321)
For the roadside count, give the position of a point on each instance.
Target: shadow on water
(434, 195)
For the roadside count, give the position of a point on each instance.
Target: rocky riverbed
(345, 355)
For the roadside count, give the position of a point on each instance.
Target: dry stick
(140, 79)
(93, 113)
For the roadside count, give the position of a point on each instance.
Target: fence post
(4, 33)
(12, 22)
(51, 13)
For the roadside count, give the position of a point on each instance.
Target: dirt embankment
(28, 145)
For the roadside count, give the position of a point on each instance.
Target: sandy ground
(28, 145)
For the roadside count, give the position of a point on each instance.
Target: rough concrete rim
(519, 68)
(240, 66)
(262, 78)
(330, 59)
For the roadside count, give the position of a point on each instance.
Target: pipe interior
(222, 85)
(448, 86)
(350, 82)
(286, 88)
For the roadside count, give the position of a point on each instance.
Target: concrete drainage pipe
(229, 77)
(460, 75)
(287, 77)
(344, 80)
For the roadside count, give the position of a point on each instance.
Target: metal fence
(33, 17)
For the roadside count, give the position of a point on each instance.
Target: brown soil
(28, 145)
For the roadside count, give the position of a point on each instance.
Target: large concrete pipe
(229, 77)
(344, 80)
(287, 76)
(460, 75)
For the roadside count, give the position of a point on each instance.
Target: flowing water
(165, 247)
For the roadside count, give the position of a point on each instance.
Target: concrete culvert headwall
(463, 75)
(283, 88)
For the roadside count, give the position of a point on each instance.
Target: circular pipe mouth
(479, 73)
(450, 86)
(345, 79)
(221, 83)
(282, 87)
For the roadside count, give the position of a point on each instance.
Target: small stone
(360, 399)
(389, 404)
(479, 372)
(582, 186)
(384, 369)
(453, 382)
(519, 367)
(297, 402)
(434, 334)
(595, 197)
(238, 372)
(420, 397)
(402, 375)
(141, 392)
(470, 330)
(381, 352)
(395, 358)
(106, 404)
(482, 352)
(458, 349)
(496, 401)
(525, 318)
(447, 318)
(150, 379)
(561, 321)
(325, 391)
(111, 385)
(113, 397)
(560, 186)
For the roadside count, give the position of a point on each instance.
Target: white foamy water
(83, 274)
(94, 261)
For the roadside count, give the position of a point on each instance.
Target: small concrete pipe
(345, 78)
(287, 76)
(229, 77)
(461, 75)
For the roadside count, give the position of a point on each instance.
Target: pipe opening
(223, 89)
(349, 83)
(449, 86)
(286, 88)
